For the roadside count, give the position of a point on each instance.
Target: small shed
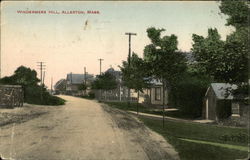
(11, 96)
(218, 101)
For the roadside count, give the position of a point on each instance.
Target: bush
(188, 96)
(32, 95)
(91, 95)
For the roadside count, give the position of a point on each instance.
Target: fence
(113, 95)
(11, 96)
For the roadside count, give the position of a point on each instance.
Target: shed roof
(220, 90)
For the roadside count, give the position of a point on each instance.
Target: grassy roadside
(185, 137)
(143, 109)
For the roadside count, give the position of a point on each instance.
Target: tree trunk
(137, 109)
(163, 105)
(105, 93)
(150, 101)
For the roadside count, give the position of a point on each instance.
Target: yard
(197, 141)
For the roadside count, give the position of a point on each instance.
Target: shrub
(32, 95)
(91, 95)
(188, 95)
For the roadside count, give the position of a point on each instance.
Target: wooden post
(163, 105)
(137, 109)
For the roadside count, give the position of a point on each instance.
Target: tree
(105, 82)
(226, 61)
(82, 87)
(209, 53)
(22, 76)
(135, 75)
(166, 63)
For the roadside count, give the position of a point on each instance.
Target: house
(154, 94)
(73, 82)
(11, 96)
(60, 86)
(218, 98)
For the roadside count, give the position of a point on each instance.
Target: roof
(115, 73)
(78, 78)
(61, 81)
(220, 90)
(155, 82)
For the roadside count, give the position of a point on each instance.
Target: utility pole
(0, 65)
(85, 80)
(42, 68)
(129, 55)
(43, 77)
(51, 85)
(100, 65)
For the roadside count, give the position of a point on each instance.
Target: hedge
(188, 96)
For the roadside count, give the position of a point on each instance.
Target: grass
(185, 137)
(196, 141)
(143, 109)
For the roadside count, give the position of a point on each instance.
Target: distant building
(60, 86)
(154, 94)
(73, 82)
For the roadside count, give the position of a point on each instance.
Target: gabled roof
(61, 81)
(115, 73)
(78, 78)
(220, 90)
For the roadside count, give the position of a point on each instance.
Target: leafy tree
(209, 52)
(22, 76)
(82, 86)
(166, 62)
(105, 82)
(135, 75)
(226, 61)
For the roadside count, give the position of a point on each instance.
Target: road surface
(83, 130)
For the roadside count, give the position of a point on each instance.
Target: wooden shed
(215, 97)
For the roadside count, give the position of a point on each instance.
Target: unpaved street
(83, 130)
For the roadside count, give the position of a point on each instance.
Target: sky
(69, 42)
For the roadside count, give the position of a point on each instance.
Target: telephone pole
(43, 76)
(42, 68)
(51, 85)
(100, 65)
(129, 55)
(85, 79)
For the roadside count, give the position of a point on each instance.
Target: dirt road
(83, 130)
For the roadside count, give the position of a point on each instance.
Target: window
(157, 93)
